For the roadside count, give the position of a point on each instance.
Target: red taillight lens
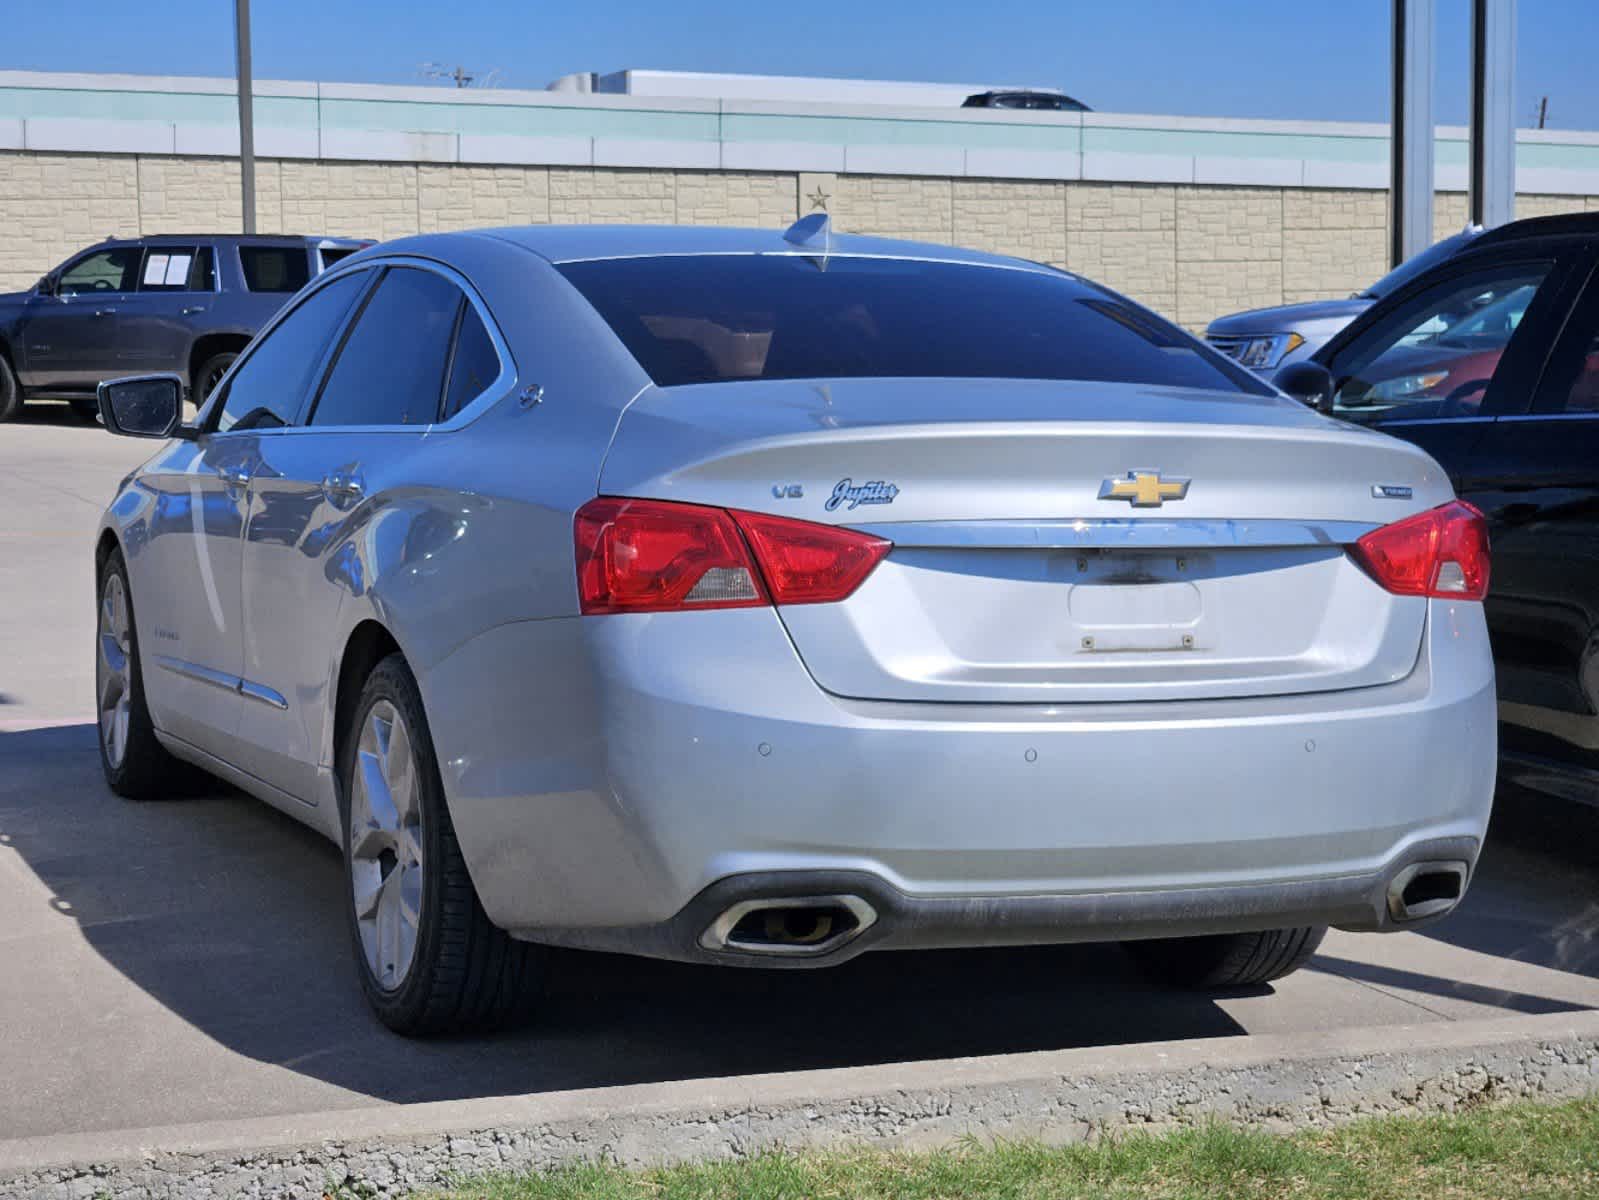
(806, 563)
(1442, 552)
(660, 556)
(651, 556)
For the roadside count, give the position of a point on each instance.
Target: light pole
(241, 42)
(1493, 115)
(1410, 165)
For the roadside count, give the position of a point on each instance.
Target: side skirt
(307, 814)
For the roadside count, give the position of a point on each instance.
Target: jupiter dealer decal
(847, 491)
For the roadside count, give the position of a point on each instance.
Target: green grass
(1514, 1151)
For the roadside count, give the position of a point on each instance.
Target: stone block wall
(1192, 252)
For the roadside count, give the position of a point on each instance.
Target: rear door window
(178, 269)
(275, 268)
(718, 318)
(390, 370)
(268, 388)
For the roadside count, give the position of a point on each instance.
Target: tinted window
(475, 366)
(1435, 354)
(703, 319)
(391, 369)
(268, 387)
(115, 270)
(275, 268)
(177, 269)
(333, 254)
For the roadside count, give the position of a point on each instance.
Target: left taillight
(662, 556)
(1442, 552)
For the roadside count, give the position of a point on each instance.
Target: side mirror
(46, 285)
(1308, 382)
(148, 406)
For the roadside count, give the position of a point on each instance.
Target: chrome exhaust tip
(1426, 889)
(790, 926)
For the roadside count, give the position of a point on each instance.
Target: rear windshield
(716, 318)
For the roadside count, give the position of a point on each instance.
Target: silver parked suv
(763, 599)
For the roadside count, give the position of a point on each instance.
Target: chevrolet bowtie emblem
(1144, 489)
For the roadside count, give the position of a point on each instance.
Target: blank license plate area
(1127, 602)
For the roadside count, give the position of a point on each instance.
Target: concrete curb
(1277, 1083)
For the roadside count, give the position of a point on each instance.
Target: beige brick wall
(1193, 253)
(54, 204)
(1004, 217)
(1124, 235)
(473, 197)
(1334, 242)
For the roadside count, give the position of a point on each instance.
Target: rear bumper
(671, 760)
(893, 920)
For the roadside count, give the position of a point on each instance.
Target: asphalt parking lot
(187, 960)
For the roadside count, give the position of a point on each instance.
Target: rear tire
(429, 958)
(10, 392)
(1227, 960)
(136, 765)
(209, 375)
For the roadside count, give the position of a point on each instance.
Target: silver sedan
(766, 598)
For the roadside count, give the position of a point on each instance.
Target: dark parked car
(1038, 101)
(1490, 362)
(186, 303)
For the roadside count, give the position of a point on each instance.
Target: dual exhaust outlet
(811, 926)
(1426, 889)
(790, 926)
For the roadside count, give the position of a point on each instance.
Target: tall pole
(1410, 176)
(241, 42)
(1493, 117)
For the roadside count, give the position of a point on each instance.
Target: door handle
(191, 309)
(234, 477)
(342, 486)
(105, 312)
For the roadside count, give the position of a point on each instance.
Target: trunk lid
(1012, 579)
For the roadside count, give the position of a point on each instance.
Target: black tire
(10, 392)
(87, 411)
(146, 771)
(465, 972)
(208, 374)
(1227, 960)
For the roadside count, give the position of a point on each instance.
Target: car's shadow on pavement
(229, 914)
(1535, 896)
(53, 413)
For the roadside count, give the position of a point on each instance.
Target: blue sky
(1249, 58)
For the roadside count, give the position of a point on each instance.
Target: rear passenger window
(268, 387)
(275, 268)
(178, 269)
(391, 369)
(475, 366)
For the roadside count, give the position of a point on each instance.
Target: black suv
(177, 302)
(1490, 362)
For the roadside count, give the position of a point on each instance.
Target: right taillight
(664, 556)
(1442, 552)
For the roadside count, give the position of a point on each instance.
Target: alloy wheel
(114, 670)
(386, 867)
